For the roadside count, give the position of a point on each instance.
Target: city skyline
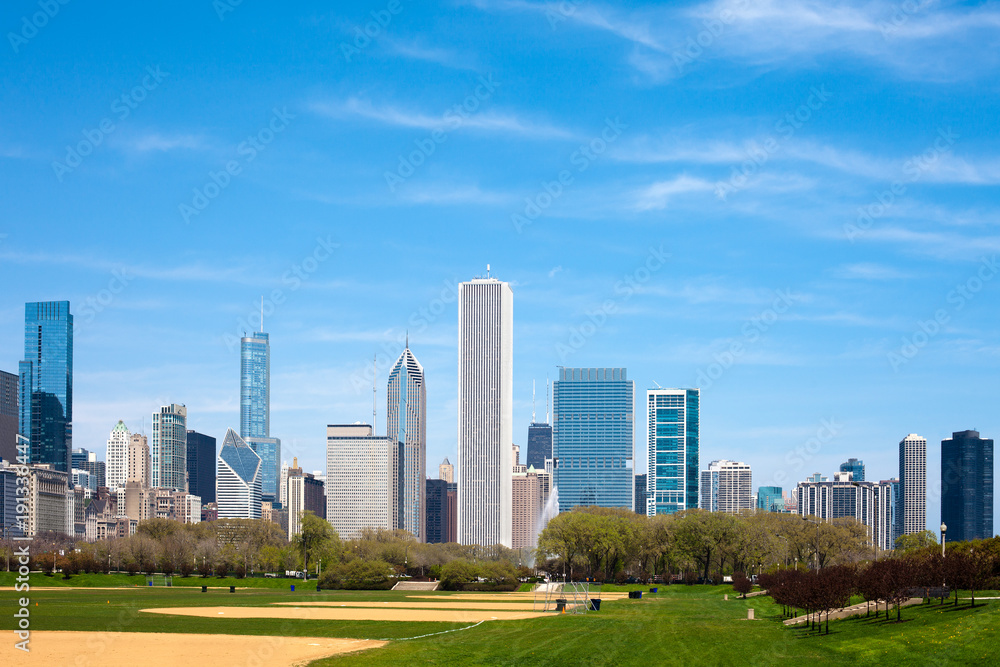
(773, 221)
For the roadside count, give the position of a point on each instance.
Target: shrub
(358, 575)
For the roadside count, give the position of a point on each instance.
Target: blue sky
(791, 204)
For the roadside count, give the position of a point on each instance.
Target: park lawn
(37, 579)
(677, 625)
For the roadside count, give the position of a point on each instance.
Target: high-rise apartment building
(46, 384)
(305, 494)
(673, 449)
(727, 486)
(117, 456)
(593, 437)
(8, 416)
(238, 487)
(867, 503)
(168, 449)
(357, 476)
(770, 499)
(485, 411)
(86, 461)
(967, 486)
(446, 471)
(201, 453)
(406, 428)
(911, 513)
(269, 451)
(855, 467)
(437, 510)
(525, 509)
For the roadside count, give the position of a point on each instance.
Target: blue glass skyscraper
(770, 499)
(255, 409)
(255, 386)
(673, 444)
(855, 467)
(46, 383)
(593, 437)
(967, 486)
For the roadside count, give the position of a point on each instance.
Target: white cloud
(659, 194)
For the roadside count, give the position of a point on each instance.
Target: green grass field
(678, 625)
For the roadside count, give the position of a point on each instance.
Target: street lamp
(944, 529)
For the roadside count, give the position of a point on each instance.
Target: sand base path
(347, 613)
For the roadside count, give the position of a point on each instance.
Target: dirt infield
(347, 613)
(154, 649)
(415, 604)
(511, 597)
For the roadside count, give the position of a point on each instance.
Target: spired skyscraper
(593, 437)
(673, 449)
(255, 409)
(485, 411)
(46, 384)
(967, 486)
(406, 428)
(539, 435)
(911, 514)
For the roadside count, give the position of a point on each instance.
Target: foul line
(406, 639)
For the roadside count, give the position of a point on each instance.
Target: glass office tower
(406, 428)
(673, 449)
(46, 383)
(255, 410)
(255, 386)
(855, 467)
(967, 486)
(593, 437)
(770, 499)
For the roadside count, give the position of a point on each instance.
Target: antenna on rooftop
(532, 401)
(547, 400)
(374, 392)
(487, 270)
(262, 313)
(657, 384)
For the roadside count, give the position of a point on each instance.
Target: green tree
(915, 541)
(315, 534)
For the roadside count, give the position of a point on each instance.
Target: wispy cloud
(659, 194)
(483, 121)
(415, 50)
(162, 143)
(868, 271)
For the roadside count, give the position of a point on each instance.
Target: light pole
(944, 529)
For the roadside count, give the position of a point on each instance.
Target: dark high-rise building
(87, 461)
(640, 493)
(967, 486)
(539, 445)
(437, 510)
(314, 494)
(8, 416)
(46, 384)
(201, 466)
(855, 467)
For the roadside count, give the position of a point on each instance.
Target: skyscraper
(727, 486)
(855, 467)
(437, 510)
(201, 466)
(86, 461)
(357, 476)
(967, 486)
(117, 456)
(8, 416)
(770, 499)
(139, 467)
(168, 451)
(525, 509)
(238, 488)
(593, 437)
(446, 471)
(673, 449)
(406, 428)
(255, 410)
(539, 435)
(639, 504)
(485, 411)
(912, 510)
(255, 386)
(867, 503)
(46, 384)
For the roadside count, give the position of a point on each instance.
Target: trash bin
(652, 590)
(293, 588)
(204, 589)
(232, 589)
(595, 604)
(561, 604)
(635, 595)
(317, 588)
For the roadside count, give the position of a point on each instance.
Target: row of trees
(969, 566)
(608, 544)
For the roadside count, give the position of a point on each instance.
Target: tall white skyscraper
(406, 428)
(485, 411)
(117, 456)
(727, 486)
(238, 482)
(357, 474)
(911, 515)
(168, 451)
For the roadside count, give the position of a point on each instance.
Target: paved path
(854, 610)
